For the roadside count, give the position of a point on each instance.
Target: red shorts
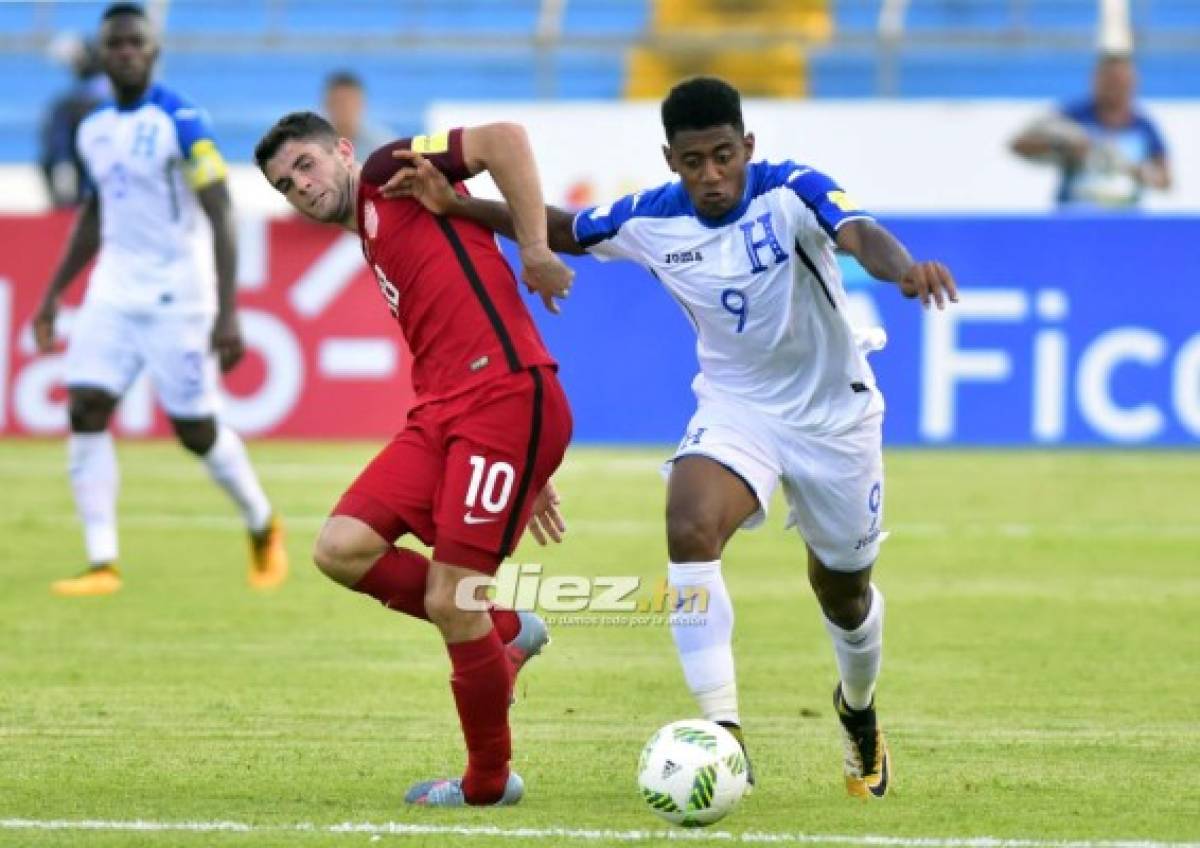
(464, 472)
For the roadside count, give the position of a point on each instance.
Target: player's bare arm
(81, 249)
(502, 149)
(422, 181)
(1048, 140)
(885, 258)
(226, 334)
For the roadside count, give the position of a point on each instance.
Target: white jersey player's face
(711, 164)
(316, 180)
(128, 50)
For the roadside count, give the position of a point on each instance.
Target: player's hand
(43, 326)
(931, 282)
(420, 180)
(545, 274)
(227, 342)
(546, 522)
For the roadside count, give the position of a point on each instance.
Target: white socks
(92, 464)
(703, 632)
(859, 654)
(230, 467)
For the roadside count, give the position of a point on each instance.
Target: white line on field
(635, 526)
(585, 835)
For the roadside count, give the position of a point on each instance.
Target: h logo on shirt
(768, 240)
(144, 136)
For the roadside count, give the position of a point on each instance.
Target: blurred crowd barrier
(1071, 330)
(937, 156)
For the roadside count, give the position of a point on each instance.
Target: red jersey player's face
(318, 181)
(711, 164)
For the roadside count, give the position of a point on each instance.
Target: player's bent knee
(89, 410)
(342, 555)
(442, 606)
(197, 436)
(692, 537)
(844, 596)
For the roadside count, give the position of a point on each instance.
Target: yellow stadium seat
(805, 19)
(779, 70)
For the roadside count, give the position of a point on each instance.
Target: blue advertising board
(1070, 331)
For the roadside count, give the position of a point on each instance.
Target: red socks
(397, 580)
(482, 683)
(482, 676)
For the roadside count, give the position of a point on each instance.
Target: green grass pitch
(1041, 677)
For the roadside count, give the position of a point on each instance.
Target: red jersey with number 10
(444, 279)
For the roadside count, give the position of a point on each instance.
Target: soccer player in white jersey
(784, 393)
(151, 300)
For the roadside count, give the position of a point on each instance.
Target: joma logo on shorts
(682, 256)
(867, 539)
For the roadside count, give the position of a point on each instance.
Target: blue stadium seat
(217, 16)
(856, 16)
(628, 18)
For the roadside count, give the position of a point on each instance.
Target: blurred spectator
(345, 106)
(1106, 149)
(66, 180)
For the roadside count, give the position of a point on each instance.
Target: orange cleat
(268, 557)
(101, 579)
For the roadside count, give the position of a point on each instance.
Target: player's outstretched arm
(226, 334)
(1052, 139)
(885, 258)
(81, 248)
(502, 149)
(422, 181)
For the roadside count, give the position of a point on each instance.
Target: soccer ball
(692, 772)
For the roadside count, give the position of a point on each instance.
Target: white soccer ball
(692, 772)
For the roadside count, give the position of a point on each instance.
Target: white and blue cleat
(448, 792)
(527, 644)
(529, 641)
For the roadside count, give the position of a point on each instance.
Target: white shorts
(833, 483)
(108, 347)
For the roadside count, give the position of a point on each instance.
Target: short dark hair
(343, 78)
(295, 126)
(117, 9)
(699, 103)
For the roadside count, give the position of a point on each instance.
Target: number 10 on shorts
(491, 485)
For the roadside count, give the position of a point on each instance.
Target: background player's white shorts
(108, 347)
(833, 483)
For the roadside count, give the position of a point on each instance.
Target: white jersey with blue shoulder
(147, 161)
(761, 286)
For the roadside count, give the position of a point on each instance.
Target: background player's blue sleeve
(831, 206)
(198, 144)
(1157, 147)
(192, 124)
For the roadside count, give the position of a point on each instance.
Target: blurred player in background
(1106, 149)
(151, 301)
(490, 424)
(62, 169)
(346, 108)
(784, 391)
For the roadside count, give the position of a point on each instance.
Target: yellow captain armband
(843, 201)
(438, 143)
(205, 165)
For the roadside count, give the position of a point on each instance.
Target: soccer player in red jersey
(490, 424)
